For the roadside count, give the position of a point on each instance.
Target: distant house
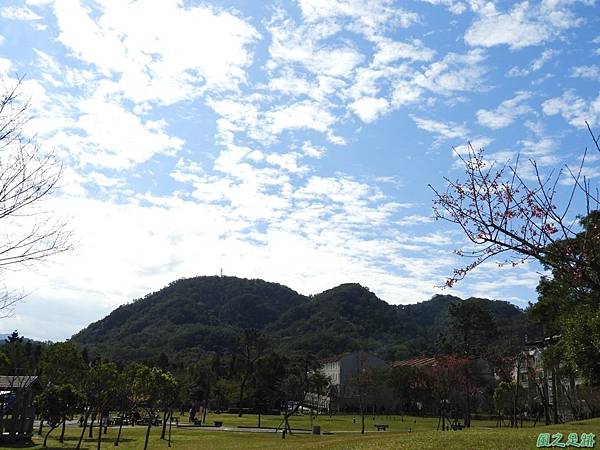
(342, 370)
(556, 392)
(16, 407)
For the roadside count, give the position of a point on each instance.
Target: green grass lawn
(482, 436)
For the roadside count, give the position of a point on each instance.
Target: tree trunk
(554, 397)
(206, 403)
(574, 398)
(99, 443)
(61, 439)
(87, 416)
(468, 407)
(148, 431)
(285, 421)
(91, 430)
(48, 433)
(242, 386)
(164, 425)
(170, 424)
(545, 400)
(41, 427)
(286, 426)
(119, 433)
(362, 417)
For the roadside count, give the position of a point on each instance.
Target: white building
(343, 369)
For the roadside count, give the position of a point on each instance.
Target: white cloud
(299, 115)
(535, 65)
(541, 150)
(102, 180)
(289, 83)
(592, 72)
(341, 190)
(474, 144)
(414, 220)
(505, 113)
(573, 109)
(293, 44)
(235, 115)
(454, 6)
(541, 61)
(369, 108)
(444, 130)
(314, 151)
(389, 51)
(287, 161)
(5, 66)
(18, 13)
(369, 16)
(110, 136)
(455, 72)
(404, 92)
(523, 26)
(158, 58)
(367, 82)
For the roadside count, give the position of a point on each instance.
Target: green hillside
(191, 317)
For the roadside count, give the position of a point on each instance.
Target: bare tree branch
(508, 217)
(28, 177)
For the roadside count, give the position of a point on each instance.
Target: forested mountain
(191, 317)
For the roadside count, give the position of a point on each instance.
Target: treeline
(254, 377)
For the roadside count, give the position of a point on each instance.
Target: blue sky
(291, 141)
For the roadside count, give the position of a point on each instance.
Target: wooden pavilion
(16, 407)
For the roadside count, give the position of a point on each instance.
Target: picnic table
(145, 420)
(381, 426)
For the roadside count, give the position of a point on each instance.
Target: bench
(381, 426)
(456, 426)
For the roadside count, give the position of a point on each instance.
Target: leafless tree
(511, 213)
(28, 176)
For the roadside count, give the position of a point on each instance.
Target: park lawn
(479, 437)
(335, 422)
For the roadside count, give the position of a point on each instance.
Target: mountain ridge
(199, 315)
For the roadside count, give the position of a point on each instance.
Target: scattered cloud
(477, 143)
(182, 158)
(389, 51)
(301, 44)
(110, 136)
(506, 112)
(535, 65)
(368, 16)
(414, 220)
(369, 108)
(573, 109)
(158, 59)
(523, 26)
(592, 72)
(454, 73)
(18, 13)
(304, 114)
(454, 6)
(443, 130)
